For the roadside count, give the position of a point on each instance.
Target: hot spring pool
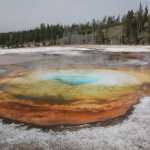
(71, 97)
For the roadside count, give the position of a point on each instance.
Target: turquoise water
(70, 79)
(103, 78)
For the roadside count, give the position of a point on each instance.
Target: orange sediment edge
(62, 115)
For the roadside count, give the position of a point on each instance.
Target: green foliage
(134, 25)
(43, 34)
(148, 30)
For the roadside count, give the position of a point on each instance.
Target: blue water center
(74, 79)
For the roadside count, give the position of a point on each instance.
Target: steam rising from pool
(102, 77)
(2, 71)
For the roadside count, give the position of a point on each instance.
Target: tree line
(136, 25)
(135, 29)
